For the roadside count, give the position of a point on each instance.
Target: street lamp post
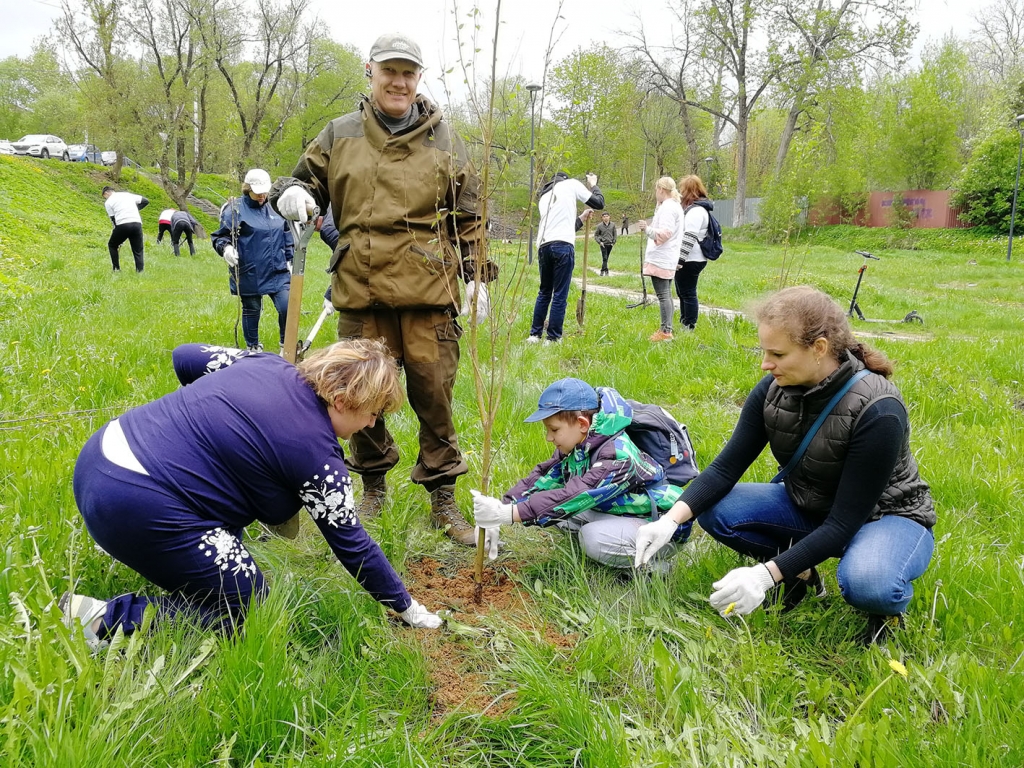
(533, 88)
(710, 161)
(1016, 185)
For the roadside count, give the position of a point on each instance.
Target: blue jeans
(252, 307)
(875, 571)
(556, 261)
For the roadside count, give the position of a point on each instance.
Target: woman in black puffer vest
(854, 494)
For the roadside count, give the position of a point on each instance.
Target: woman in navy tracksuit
(257, 245)
(168, 488)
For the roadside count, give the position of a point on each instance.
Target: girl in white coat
(664, 237)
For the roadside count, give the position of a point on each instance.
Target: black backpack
(656, 432)
(711, 245)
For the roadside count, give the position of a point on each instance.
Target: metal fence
(725, 212)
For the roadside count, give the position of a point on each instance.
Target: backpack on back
(711, 245)
(656, 432)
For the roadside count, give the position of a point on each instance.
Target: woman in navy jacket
(257, 245)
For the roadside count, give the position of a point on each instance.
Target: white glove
(491, 541)
(591, 180)
(288, 264)
(418, 617)
(652, 537)
(294, 203)
(230, 255)
(329, 306)
(743, 588)
(490, 512)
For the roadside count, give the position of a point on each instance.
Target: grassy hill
(565, 663)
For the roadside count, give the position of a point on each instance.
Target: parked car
(85, 153)
(108, 157)
(5, 147)
(41, 145)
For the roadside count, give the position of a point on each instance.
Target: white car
(109, 157)
(5, 147)
(41, 145)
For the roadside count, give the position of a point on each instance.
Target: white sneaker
(255, 348)
(533, 339)
(548, 342)
(83, 611)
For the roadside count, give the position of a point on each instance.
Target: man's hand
(329, 306)
(491, 541)
(587, 213)
(230, 255)
(652, 537)
(418, 617)
(642, 224)
(742, 588)
(295, 203)
(490, 512)
(591, 180)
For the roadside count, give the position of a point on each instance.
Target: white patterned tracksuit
(250, 442)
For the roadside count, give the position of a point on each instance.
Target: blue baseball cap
(565, 395)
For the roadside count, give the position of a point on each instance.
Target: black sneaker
(880, 628)
(796, 589)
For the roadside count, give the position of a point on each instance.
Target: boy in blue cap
(598, 484)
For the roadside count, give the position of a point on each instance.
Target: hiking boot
(880, 628)
(375, 493)
(80, 611)
(796, 589)
(661, 336)
(444, 514)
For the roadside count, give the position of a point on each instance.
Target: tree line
(782, 99)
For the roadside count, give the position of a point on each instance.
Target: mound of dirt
(460, 683)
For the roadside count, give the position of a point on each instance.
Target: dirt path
(633, 297)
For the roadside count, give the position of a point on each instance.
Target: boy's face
(564, 434)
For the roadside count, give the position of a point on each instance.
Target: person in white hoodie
(664, 236)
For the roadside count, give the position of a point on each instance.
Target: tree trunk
(787, 133)
(740, 216)
(690, 134)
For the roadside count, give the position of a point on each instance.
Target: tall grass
(646, 673)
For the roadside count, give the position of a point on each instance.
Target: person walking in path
(169, 487)
(664, 235)
(123, 209)
(556, 251)
(183, 223)
(696, 218)
(625, 225)
(854, 493)
(404, 197)
(604, 234)
(257, 245)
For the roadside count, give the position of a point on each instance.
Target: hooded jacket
(695, 227)
(606, 472)
(264, 244)
(405, 207)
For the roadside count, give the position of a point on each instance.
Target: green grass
(648, 674)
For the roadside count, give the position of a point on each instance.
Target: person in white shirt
(165, 224)
(696, 218)
(123, 209)
(556, 252)
(664, 236)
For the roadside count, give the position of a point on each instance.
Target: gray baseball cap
(396, 46)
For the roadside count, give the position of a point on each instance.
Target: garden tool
(312, 333)
(643, 283)
(581, 304)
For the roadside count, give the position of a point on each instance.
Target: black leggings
(686, 287)
(133, 234)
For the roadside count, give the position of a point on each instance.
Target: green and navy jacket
(605, 473)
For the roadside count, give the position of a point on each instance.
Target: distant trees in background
(774, 98)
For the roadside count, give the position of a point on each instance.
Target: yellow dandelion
(729, 610)
(897, 667)
(44, 371)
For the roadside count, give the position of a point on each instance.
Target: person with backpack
(852, 490)
(697, 224)
(599, 484)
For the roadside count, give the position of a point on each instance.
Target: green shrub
(985, 189)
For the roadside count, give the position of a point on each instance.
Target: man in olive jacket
(404, 199)
(605, 236)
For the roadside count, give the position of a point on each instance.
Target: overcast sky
(523, 37)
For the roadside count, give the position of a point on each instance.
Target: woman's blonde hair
(807, 314)
(668, 184)
(359, 371)
(691, 188)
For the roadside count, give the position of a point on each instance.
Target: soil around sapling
(459, 664)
